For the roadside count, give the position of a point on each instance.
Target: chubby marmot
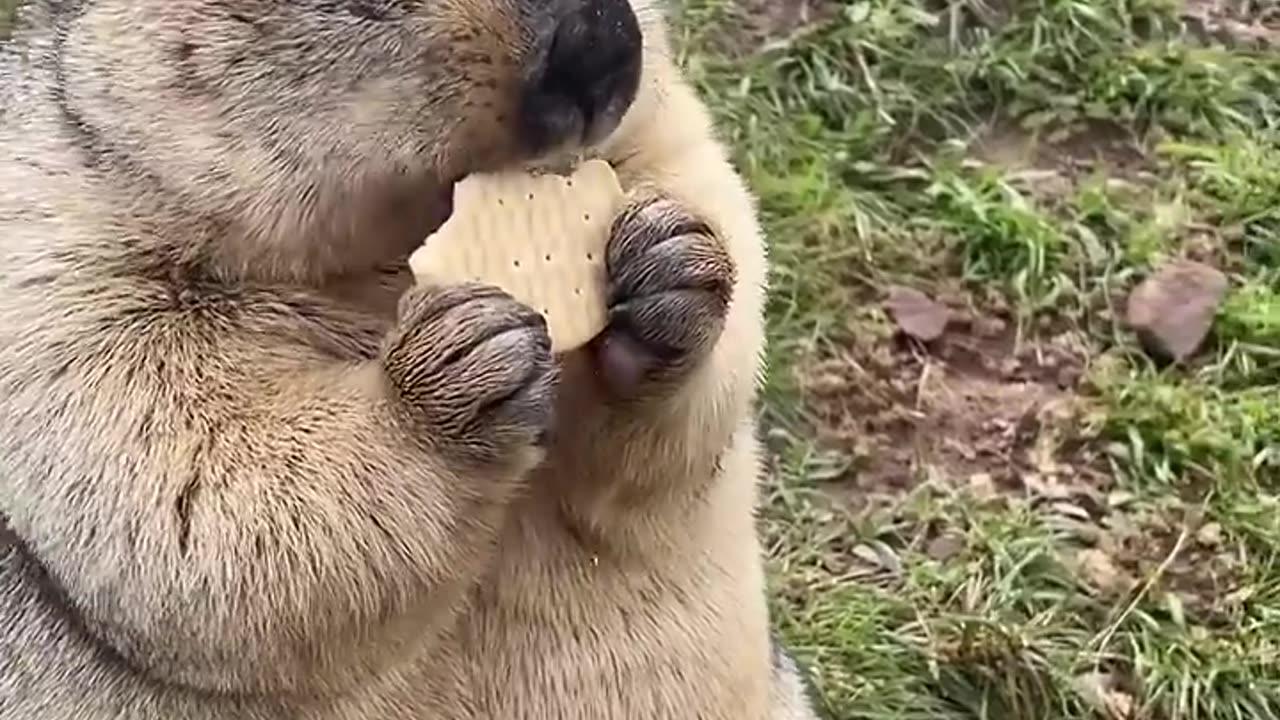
(247, 472)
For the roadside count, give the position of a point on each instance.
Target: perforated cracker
(539, 237)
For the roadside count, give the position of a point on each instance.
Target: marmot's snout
(584, 76)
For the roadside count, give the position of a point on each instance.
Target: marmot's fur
(247, 472)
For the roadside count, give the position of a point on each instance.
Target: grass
(1118, 554)
(8, 10)
(1144, 581)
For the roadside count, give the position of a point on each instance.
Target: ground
(1028, 517)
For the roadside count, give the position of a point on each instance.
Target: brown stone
(1173, 310)
(916, 314)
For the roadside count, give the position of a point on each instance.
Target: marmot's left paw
(670, 283)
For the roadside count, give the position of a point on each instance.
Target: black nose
(587, 77)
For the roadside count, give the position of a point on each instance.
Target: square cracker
(541, 238)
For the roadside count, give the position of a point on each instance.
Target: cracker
(540, 238)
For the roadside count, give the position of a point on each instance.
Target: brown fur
(248, 474)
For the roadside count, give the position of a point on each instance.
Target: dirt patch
(1170, 555)
(768, 19)
(979, 412)
(1234, 23)
(970, 408)
(1055, 159)
(755, 23)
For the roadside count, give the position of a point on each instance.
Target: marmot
(247, 471)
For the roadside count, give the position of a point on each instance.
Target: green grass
(858, 133)
(8, 10)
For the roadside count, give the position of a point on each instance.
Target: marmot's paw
(475, 366)
(670, 282)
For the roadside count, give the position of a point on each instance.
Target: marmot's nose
(586, 77)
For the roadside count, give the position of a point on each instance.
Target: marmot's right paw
(671, 280)
(477, 365)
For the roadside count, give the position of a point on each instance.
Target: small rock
(1081, 531)
(1047, 487)
(1070, 510)
(1120, 499)
(878, 554)
(945, 546)
(988, 326)
(866, 554)
(1100, 691)
(982, 485)
(916, 314)
(1210, 534)
(1067, 377)
(1099, 570)
(1119, 705)
(1173, 310)
(1239, 597)
(1010, 367)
